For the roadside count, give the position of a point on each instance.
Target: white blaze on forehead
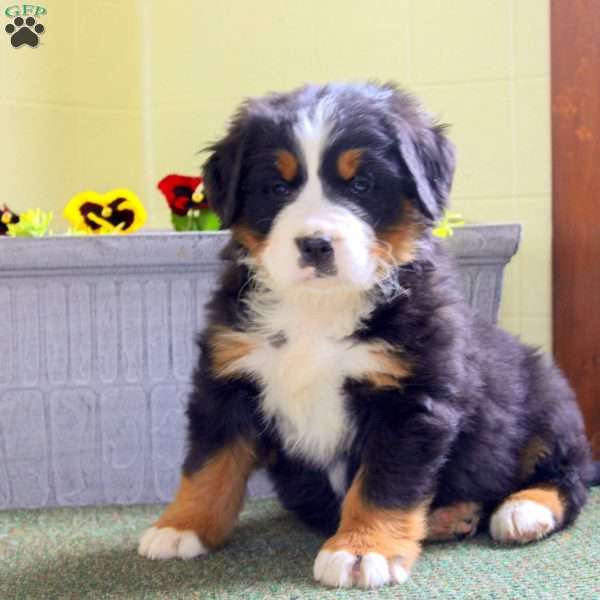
(312, 211)
(312, 131)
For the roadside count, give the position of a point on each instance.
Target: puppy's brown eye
(360, 185)
(279, 188)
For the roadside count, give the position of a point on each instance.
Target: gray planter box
(97, 348)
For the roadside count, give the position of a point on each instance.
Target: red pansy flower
(180, 192)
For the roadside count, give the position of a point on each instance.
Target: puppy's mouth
(318, 277)
(309, 272)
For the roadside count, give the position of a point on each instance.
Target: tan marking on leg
(287, 164)
(228, 347)
(348, 163)
(547, 496)
(391, 369)
(390, 532)
(456, 520)
(252, 241)
(397, 245)
(535, 451)
(209, 501)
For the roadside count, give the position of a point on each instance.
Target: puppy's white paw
(166, 542)
(374, 571)
(334, 568)
(344, 569)
(398, 572)
(521, 521)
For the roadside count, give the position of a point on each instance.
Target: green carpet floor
(91, 553)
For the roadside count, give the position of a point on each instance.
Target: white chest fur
(302, 357)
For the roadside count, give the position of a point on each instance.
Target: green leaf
(209, 221)
(180, 223)
(32, 223)
(203, 220)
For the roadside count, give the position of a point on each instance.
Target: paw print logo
(24, 31)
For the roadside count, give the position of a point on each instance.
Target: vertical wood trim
(575, 68)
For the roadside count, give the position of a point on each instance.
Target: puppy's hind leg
(528, 515)
(453, 522)
(554, 461)
(551, 497)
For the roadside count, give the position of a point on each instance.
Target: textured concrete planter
(96, 351)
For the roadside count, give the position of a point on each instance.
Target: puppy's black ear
(222, 172)
(429, 156)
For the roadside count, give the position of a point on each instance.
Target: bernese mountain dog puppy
(340, 355)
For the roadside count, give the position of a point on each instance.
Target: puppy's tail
(592, 477)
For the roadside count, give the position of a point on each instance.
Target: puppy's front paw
(342, 568)
(160, 543)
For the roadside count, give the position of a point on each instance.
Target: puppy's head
(330, 187)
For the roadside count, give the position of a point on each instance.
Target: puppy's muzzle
(316, 252)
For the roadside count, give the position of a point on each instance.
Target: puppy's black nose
(315, 252)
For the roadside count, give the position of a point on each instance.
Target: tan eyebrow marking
(348, 162)
(287, 164)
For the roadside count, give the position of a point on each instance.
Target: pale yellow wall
(70, 109)
(481, 65)
(123, 92)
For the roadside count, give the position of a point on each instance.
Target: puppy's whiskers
(252, 281)
(387, 284)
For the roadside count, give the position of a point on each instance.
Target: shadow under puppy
(340, 355)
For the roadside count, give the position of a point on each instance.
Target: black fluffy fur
(477, 396)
